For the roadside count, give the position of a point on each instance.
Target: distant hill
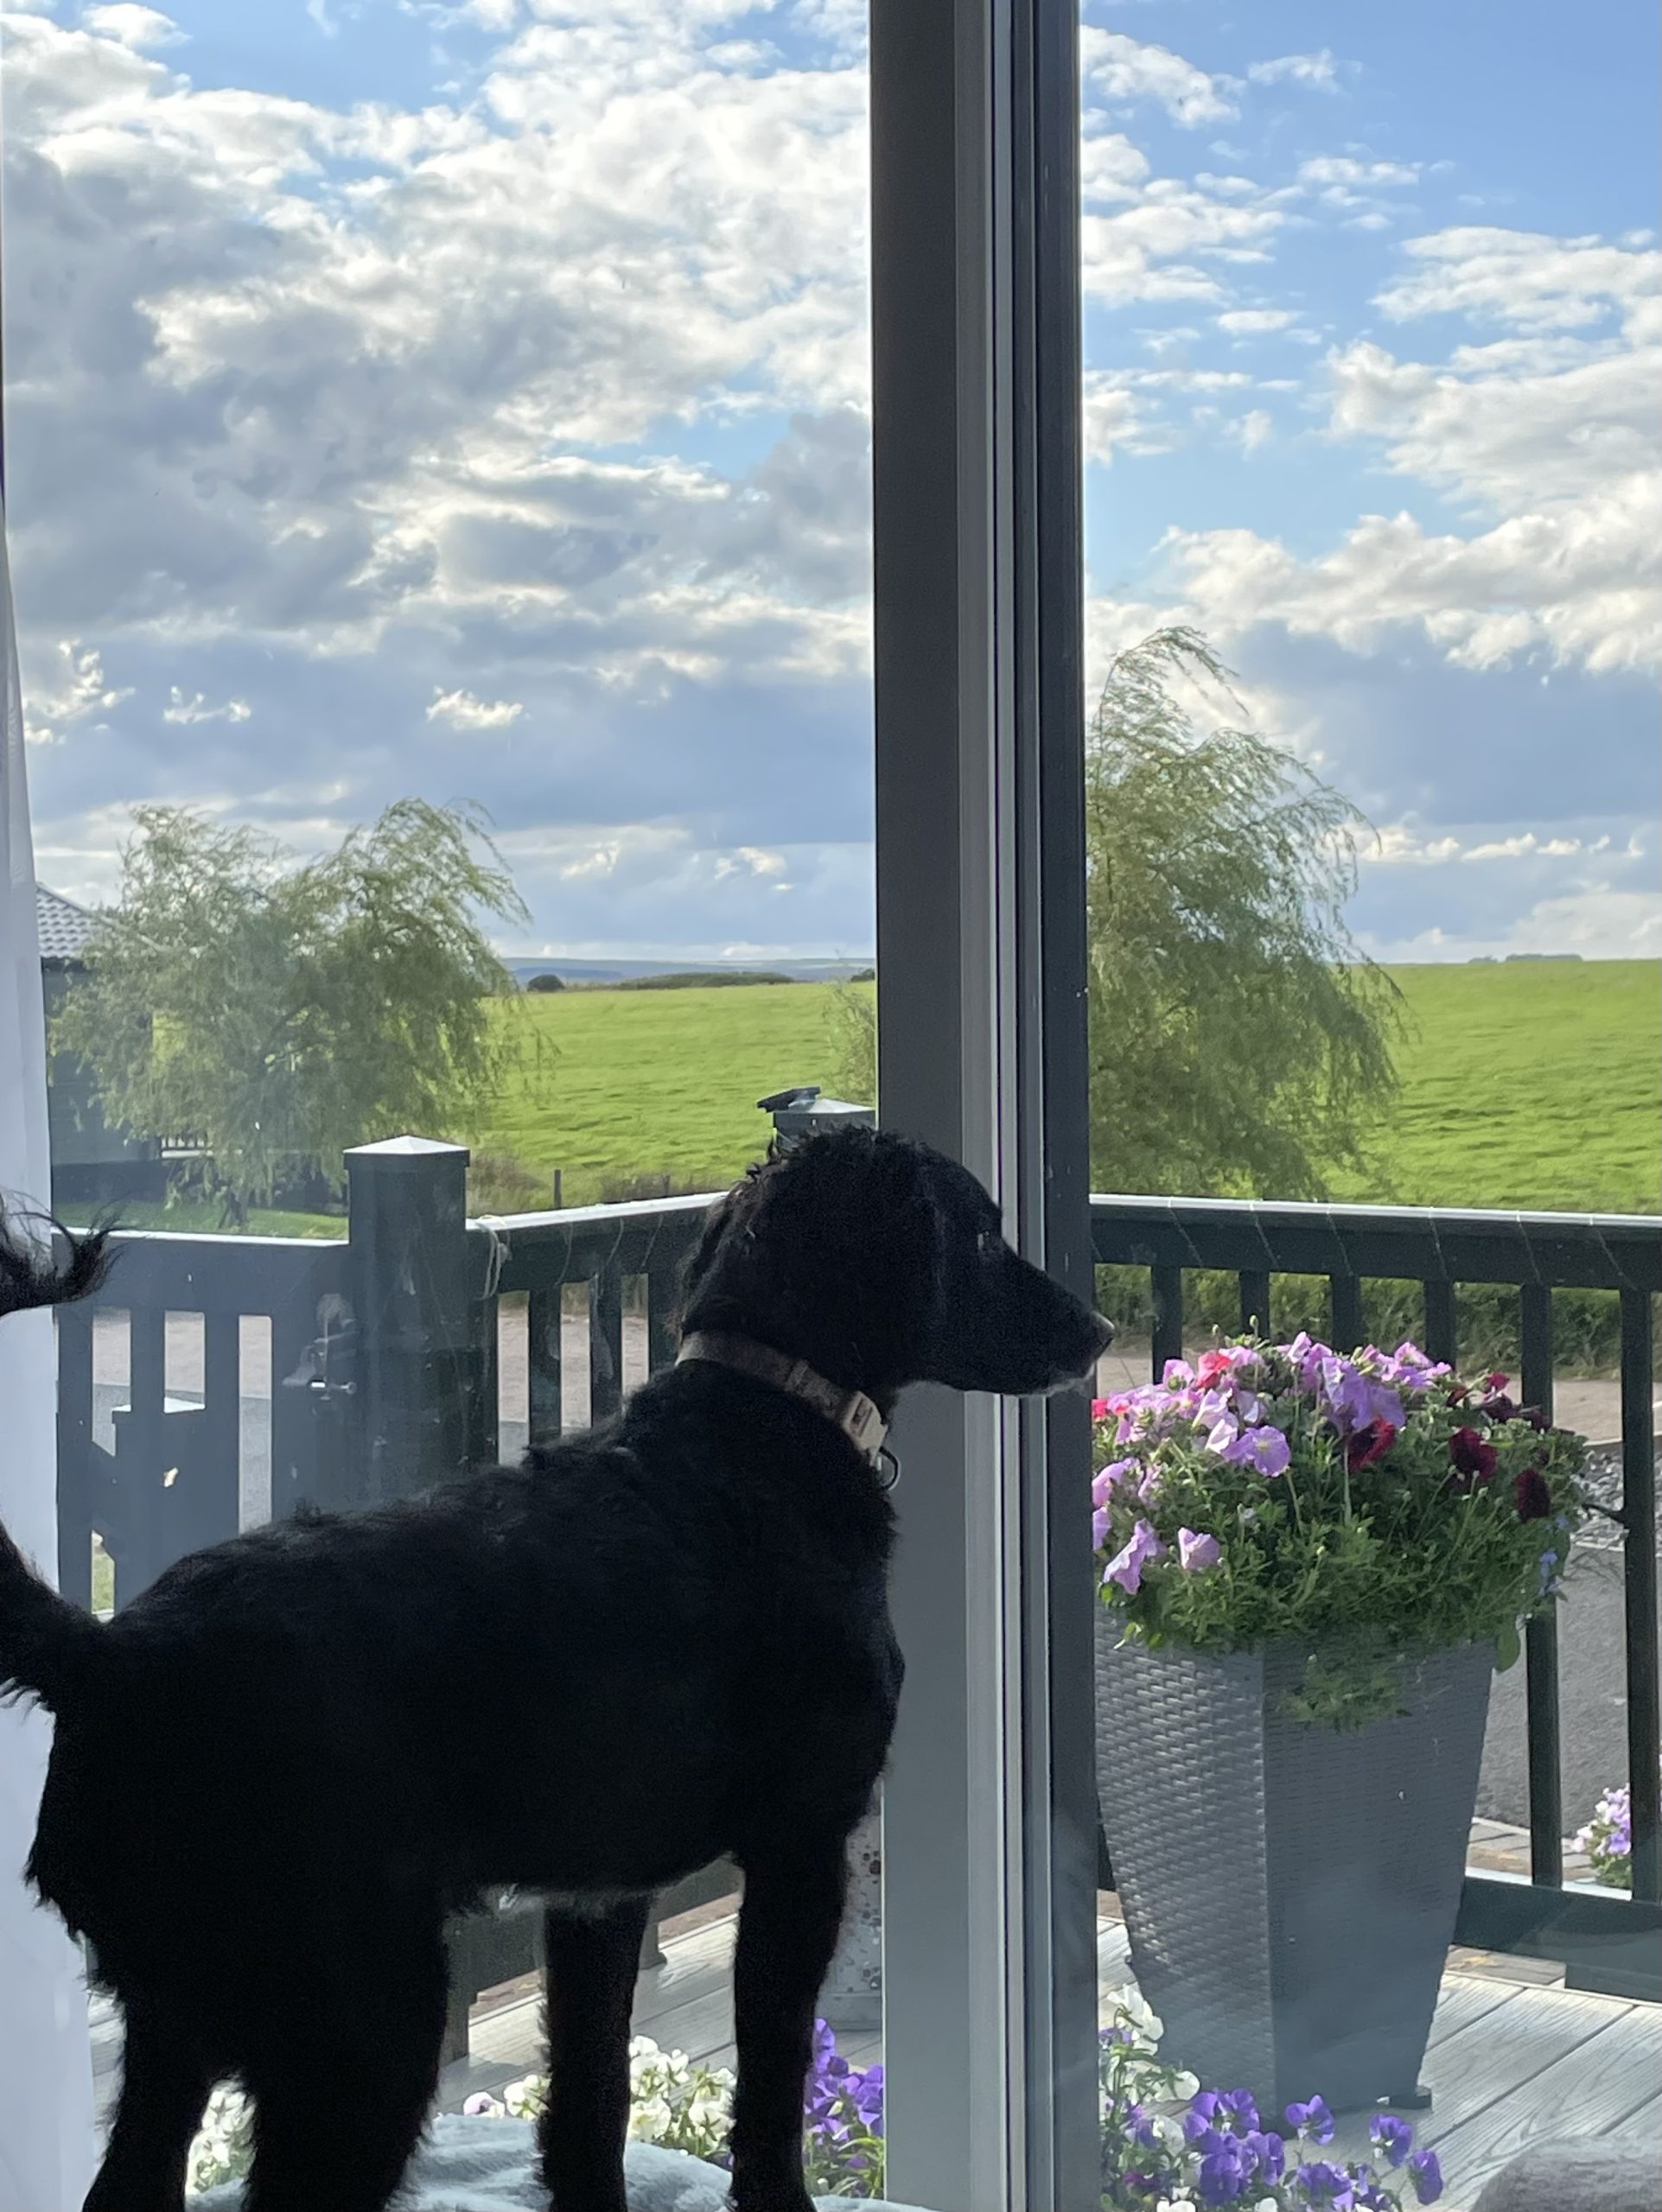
(524, 967)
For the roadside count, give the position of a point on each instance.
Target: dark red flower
(1496, 1382)
(1498, 1409)
(1474, 1460)
(1370, 1444)
(1537, 1420)
(1534, 1497)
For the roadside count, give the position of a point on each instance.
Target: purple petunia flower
(1128, 1563)
(1391, 2138)
(1196, 1550)
(1105, 1483)
(1266, 1451)
(1099, 1527)
(1313, 2119)
(1426, 2173)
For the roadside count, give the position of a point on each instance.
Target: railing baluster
(77, 1454)
(1345, 1304)
(1639, 1512)
(543, 1358)
(1255, 1303)
(1167, 1344)
(606, 1342)
(1541, 1636)
(662, 1290)
(484, 1415)
(1442, 1321)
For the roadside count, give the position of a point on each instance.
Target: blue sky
(471, 399)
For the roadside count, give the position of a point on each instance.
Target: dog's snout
(1104, 1332)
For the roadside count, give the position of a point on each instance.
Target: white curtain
(47, 2151)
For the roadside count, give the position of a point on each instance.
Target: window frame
(990, 1826)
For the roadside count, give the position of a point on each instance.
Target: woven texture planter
(1289, 1892)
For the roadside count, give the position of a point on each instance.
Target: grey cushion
(489, 2165)
(1621, 2175)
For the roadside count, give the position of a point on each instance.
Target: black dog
(276, 1772)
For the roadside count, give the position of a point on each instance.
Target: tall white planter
(46, 2074)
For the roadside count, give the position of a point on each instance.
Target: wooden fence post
(408, 1285)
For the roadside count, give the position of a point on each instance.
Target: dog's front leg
(788, 1927)
(591, 1961)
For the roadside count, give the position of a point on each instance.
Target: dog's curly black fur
(276, 1772)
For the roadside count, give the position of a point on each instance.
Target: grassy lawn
(1537, 1085)
(200, 1219)
(1529, 1085)
(614, 1084)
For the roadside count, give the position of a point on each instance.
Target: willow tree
(1241, 1041)
(284, 1011)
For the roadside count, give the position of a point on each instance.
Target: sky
(471, 399)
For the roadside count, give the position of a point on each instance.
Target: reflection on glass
(1374, 924)
(437, 495)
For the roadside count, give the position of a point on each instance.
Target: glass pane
(1372, 818)
(438, 501)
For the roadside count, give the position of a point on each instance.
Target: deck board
(1595, 2089)
(1511, 2062)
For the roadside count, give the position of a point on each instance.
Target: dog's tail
(46, 1645)
(49, 1647)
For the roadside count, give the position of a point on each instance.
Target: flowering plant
(1607, 1839)
(1170, 2145)
(689, 2107)
(1363, 1506)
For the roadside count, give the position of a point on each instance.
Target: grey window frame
(989, 1814)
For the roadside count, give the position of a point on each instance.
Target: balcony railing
(216, 1380)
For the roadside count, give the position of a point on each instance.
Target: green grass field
(1534, 1085)
(1530, 1086)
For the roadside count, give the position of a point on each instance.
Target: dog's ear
(30, 1273)
(729, 1216)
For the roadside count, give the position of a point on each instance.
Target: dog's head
(881, 1262)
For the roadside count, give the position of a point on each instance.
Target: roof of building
(64, 927)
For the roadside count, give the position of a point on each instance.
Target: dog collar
(849, 1410)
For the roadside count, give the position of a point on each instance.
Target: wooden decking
(1515, 2058)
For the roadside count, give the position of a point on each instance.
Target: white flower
(1170, 2134)
(1142, 2015)
(1176, 2204)
(649, 2117)
(1185, 2085)
(526, 2098)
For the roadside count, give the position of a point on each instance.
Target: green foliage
(1406, 1511)
(286, 1012)
(852, 1015)
(1240, 1044)
(548, 982)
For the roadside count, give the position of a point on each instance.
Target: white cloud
(1249, 322)
(1344, 172)
(1548, 438)
(132, 25)
(1251, 430)
(1525, 278)
(195, 708)
(71, 687)
(1129, 70)
(462, 711)
(1318, 71)
(1599, 925)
